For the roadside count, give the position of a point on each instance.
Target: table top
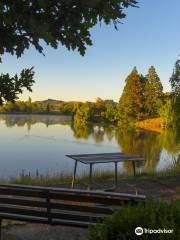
(104, 158)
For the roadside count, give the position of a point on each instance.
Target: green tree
(131, 100)
(167, 112)
(21, 106)
(99, 108)
(110, 113)
(83, 114)
(48, 108)
(36, 107)
(153, 92)
(29, 105)
(143, 81)
(8, 107)
(25, 23)
(175, 86)
(175, 79)
(11, 87)
(68, 107)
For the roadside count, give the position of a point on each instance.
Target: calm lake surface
(40, 142)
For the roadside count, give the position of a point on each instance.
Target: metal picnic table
(92, 159)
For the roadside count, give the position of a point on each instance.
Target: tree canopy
(175, 85)
(68, 22)
(10, 87)
(153, 91)
(25, 23)
(175, 78)
(131, 101)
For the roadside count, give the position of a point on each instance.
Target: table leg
(115, 183)
(134, 167)
(0, 229)
(74, 175)
(90, 176)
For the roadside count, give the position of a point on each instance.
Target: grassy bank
(153, 124)
(98, 176)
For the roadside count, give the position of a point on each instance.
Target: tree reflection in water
(149, 145)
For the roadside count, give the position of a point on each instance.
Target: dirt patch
(162, 188)
(43, 232)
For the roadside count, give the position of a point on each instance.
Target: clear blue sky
(149, 35)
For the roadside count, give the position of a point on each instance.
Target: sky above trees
(148, 36)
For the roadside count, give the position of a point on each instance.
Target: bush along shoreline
(150, 220)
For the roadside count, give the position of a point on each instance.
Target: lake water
(40, 142)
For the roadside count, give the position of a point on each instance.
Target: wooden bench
(59, 206)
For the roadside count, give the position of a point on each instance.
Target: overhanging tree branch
(25, 23)
(10, 87)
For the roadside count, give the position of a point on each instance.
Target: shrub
(149, 215)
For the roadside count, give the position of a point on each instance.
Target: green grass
(47, 180)
(98, 176)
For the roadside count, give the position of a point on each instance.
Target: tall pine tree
(131, 101)
(175, 79)
(175, 86)
(153, 92)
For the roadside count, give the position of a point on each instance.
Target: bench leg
(0, 229)
(90, 176)
(74, 175)
(115, 172)
(134, 167)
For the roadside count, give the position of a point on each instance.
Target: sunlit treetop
(175, 78)
(68, 22)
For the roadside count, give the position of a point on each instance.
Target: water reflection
(23, 120)
(151, 145)
(161, 150)
(81, 132)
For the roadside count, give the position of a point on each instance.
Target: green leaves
(131, 101)
(68, 22)
(153, 91)
(175, 79)
(152, 215)
(10, 87)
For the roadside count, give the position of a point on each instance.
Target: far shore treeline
(142, 99)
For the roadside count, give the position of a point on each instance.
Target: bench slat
(45, 221)
(80, 216)
(23, 192)
(23, 218)
(23, 211)
(82, 208)
(72, 223)
(73, 196)
(89, 198)
(23, 202)
(55, 205)
(75, 191)
(68, 196)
